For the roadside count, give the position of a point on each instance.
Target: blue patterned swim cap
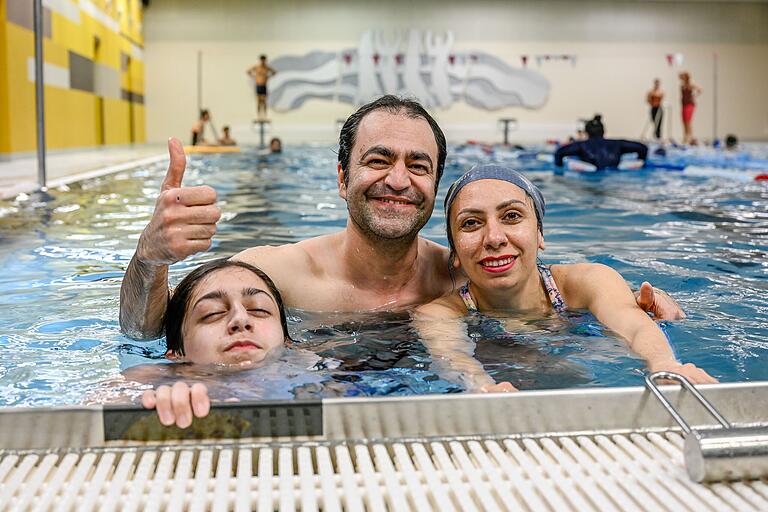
(495, 172)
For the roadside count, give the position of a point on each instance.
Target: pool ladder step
(621, 472)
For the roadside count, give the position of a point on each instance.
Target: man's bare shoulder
(292, 262)
(433, 251)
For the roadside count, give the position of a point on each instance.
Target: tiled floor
(20, 174)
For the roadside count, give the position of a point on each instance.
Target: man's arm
(143, 300)
(183, 223)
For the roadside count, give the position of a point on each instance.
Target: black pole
(39, 92)
(714, 97)
(199, 80)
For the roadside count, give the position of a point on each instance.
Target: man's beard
(393, 225)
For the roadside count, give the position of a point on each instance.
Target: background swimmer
(597, 150)
(494, 223)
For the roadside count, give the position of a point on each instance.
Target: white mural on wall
(427, 69)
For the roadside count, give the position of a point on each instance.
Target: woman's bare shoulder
(449, 305)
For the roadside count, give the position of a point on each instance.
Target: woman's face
(495, 233)
(231, 318)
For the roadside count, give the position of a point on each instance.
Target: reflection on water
(62, 256)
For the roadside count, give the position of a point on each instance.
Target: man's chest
(346, 296)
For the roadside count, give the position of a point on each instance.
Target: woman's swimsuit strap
(555, 297)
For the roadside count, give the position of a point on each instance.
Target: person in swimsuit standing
(260, 73)
(688, 94)
(494, 223)
(654, 98)
(198, 129)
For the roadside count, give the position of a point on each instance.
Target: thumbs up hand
(184, 220)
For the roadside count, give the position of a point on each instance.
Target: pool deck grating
(605, 449)
(619, 472)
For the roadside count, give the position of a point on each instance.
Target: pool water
(63, 254)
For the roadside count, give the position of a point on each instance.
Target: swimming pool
(62, 256)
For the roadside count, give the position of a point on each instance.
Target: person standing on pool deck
(688, 94)
(391, 158)
(261, 73)
(198, 129)
(654, 98)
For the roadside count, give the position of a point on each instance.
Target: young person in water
(494, 223)
(225, 313)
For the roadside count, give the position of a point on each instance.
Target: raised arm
(604, 292)
(183, 223)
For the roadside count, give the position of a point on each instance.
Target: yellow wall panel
(5, 143)
(137, 76)
(72, 36)
(116, 122)
(109, 42)
(69, 118)
(140, 133)
(73, 117)
(21, 91)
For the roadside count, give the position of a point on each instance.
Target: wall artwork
(415, 64)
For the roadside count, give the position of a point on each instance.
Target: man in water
(599, 151)
(261, 73)
(391, 158)
(654, 98)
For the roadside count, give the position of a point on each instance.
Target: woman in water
(225, 313)
(494, 222)
(689, 91)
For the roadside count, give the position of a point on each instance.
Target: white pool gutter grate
(531, 451)
(603, 472)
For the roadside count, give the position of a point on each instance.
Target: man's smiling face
(390, 191)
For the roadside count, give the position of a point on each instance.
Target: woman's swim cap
(495, 172)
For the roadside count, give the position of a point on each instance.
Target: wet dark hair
(393, 105)
(731, 141)
(177, 305)
(594, 127)
(263, 57)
